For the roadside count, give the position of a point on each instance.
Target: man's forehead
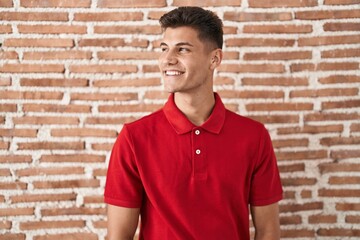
(179, 35)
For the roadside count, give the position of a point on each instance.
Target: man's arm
(122, 222)
(266, 222)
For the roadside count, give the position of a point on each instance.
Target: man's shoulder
(243, 121)
(147, 120)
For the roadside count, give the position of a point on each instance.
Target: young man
(193, 168)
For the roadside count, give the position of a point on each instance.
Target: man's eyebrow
(178, 44)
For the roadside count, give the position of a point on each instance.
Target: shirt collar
(182, 125)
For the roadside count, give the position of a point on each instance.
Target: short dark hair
(206, 23)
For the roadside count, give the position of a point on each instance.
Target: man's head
(206, 23)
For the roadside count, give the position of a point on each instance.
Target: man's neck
(196, 107)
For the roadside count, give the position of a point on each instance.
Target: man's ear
(216, 58)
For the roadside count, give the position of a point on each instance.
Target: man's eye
(184, 50)
(163, 49)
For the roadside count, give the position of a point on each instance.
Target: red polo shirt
(193, 182)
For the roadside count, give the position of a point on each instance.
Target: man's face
(186, 61)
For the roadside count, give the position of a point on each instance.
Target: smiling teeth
(173, 73)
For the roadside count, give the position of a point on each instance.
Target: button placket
(199, 165)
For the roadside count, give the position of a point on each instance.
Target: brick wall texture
(72, 72)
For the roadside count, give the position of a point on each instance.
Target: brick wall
(72, 72)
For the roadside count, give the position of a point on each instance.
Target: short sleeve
(123, 184)
(265, 184)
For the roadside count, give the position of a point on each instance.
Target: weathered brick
(328, 92)
(343, 180)
(50, 55)
(275, 81)
(31, 95)
(49, 171)
(290, 143)
(279, 106)
(108, 16)
(298, 167)
(34, 225)
(126, 55)
(277, 29)
(100, 172)
(93, 199)
(273, 119)
(69, 236)
(15, 159)
(338, 192)
(103, 224)
(352, 219)
(250, 94)
(8, 55)
(5, 172)
(101, 42)
(311, 129)
(149, 29)
(255, 68)
(355, 127)
(52, 29)
(31, 68)
(136, 82)
(102, 68)
(80, 183)
(326, 14)
(4, 145)
(340, 104)
(344, 154)
(51, 145)
(301, 207)
(5, 225)
(72, 211)
(339, 79)
(282, 3)
(5, 81)
(34, 16)
(290, 220)
(102, 146)
(17, 132)
(18, 211)
(257, 16)
(337, 27)
(259, 42)
(56, 108)
(46, 120)
(5, 29)
(331, 141)
(278, 55)
(333, 232)
(341, 2)
(131, 4)
(12, 236)
(39, 42)
(290, 233)
(130, 108)
(104, 96)
(341, 53)
(302, 155)
(24, 198)
(54, 82)
(298, 181)
(348, 206)
(339, 167)
(6, 3)
(109, 120)
(72, 158)
(328, 40)
(207, 3)
(83, 132)
(56, 3)
(331, 116)
(8, 107)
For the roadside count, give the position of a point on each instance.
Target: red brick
(343, 180)
(93, 199)
(5, 172)
(31, 95)
(301, 207)
(4, 145)
(224, 81)
(36, 198)
(32, 68)
(83, 132)
(52, 29)
(56, 3)
(282, 3)
(341, 66)
(355, 127)
(302, 155)
(8, 55)
(100, 172)
(81, 183)
(300, 67)
(279, 106)
(275, 81)
(290, 143)
(5, 225)
(102, 146)
(12, 236)
(67, 236)
(328, 40)
(327, 14)
(108, 16)
(54, 82)
(352, 219)
(5, 29)
(341, 53)
(156, 95)
(277, 29)
(298, 181)
(337, 27)
(341, 2)
(15, 159)
(257, 16)
(342, 232)
(316, 219)
(57, 55)
(252, 68)
(130, 108)
(102, 68)
(345, 154)
(103, 224)
(340, 104)
(5, 81)
(311, 129)
(298, 167)
(340, 79)
(114, 55)
(72, 211)
(51, 145)
(16, 132)
(306, 194)
(297, 233)
(49, 171)
(338, 193)
(110, 120)
(150, 68)
(72, 158)
(348, 206)
(35, 225)
(6, 3)
(290, 220)
(34, 16)
(275, 119)
(8, 107)
(18, 211)
(259, 42)
(331, 116)
(56, 108)
(331, 141)
(102, 42)
(104, 96)
(251, 94)
(278, 55)
(338, 167)
(46, 120)
(328, 92)
(207, 3)
(148, 29)
(131, 4)
(39, 42)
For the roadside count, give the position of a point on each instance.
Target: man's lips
(173, 72)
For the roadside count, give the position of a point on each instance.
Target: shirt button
(197, 151)
(197, 132)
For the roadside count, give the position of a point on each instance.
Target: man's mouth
(173, 73)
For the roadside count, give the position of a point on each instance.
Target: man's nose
(169, 58)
